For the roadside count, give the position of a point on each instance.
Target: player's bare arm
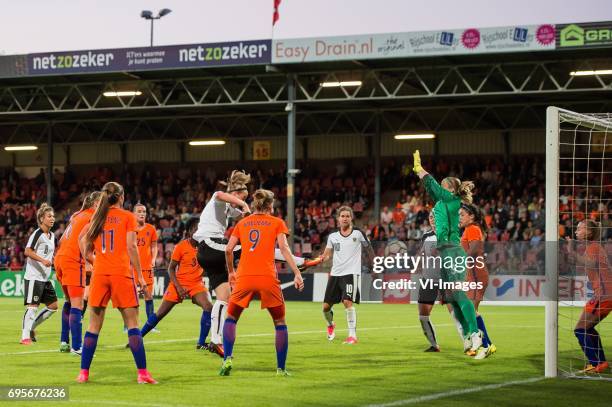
(369, 252)
(32, 254)
(135, 259)
(474, 248)
(153, 253)
(172, 275)
(283, 245)
(229, 255)
(234, 200)
(327, 253)
(86, 247)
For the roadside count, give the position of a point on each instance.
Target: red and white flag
(275, 15)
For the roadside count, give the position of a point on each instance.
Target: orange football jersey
(186, 256)
(145, 239)
(257, 234)
(69, 243)
(111, 244)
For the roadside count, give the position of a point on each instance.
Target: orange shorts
(73, 291)
(192, 289)
(120, 289)
(69, 271)
(477, 275)
(268, 289)
(600, 308)
(148, 278)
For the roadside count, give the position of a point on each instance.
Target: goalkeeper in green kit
(448, 198)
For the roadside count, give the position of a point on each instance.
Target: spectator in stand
(509, 193)
(386, 217)
(16, 264)
(399, 216)
(4, 259)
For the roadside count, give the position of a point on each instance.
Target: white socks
(428, 330)
(42, 316)
(351, 319)
(217, 319)
(458, 325)
(28, 321)
(279, 256)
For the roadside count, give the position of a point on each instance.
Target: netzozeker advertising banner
(138, 59)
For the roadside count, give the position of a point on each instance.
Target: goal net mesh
(585, 266)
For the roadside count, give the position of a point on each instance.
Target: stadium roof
(458, 93)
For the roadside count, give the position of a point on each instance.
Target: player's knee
(234, 311)
(52, 306)
(347, 303)
(326, 307)
(203, 303)
(277, 313)
(278, 322)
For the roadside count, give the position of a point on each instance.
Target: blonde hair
(462, 189)
(91, 199)
(237, 181)
(345, 208)
(111, 193)
(137, 205)
(42, 211)
(263, 200)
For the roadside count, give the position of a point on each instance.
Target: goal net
(578, 265)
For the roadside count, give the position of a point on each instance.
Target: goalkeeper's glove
(417, 162)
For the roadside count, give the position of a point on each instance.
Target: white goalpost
(552, 233)
(578, 187)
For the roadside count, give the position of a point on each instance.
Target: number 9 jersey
(257, 234)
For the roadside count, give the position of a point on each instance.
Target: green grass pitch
(387, 366)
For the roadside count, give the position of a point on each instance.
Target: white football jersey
(44, 246)
(429, 267)
(214, 219)
(346, 252)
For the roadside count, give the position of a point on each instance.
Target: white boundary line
(251, 336)
(451, 393)
(127, 403)
(241, 336)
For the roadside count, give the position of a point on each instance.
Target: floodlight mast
(148, 15)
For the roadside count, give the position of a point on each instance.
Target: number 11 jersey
(110, 246)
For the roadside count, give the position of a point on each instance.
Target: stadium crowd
(511, 195)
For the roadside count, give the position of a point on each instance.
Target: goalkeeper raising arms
(448, 198)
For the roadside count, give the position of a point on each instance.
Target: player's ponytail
(237, 181)
(110, 195)
(465, 191)
(91, 199)
(462, 189)
(263, 200)
(42, 211)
